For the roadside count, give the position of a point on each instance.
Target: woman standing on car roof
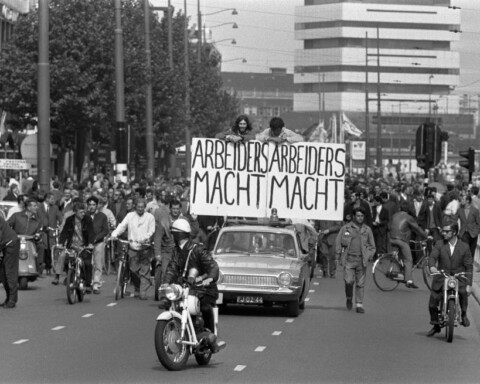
(241, 131)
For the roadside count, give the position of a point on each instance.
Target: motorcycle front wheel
(172, 355)
(71, 287)
(450, 320)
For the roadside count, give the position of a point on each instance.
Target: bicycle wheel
(385, 269)
(118, 290)
(71, 286)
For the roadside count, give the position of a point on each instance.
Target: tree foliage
(82, 76)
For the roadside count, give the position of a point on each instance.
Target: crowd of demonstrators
(383, 213)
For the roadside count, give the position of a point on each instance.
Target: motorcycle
(180, 330)
(27, 265)
(450, 311)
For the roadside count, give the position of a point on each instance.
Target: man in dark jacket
(430, 217)
(452, 256)
(77, 233)
(400, 234)
(190, 256)
(10, 245)
(101, 230)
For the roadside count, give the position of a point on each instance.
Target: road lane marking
(21, 341)
(111, 304)
(316, 283)
(307, 299)
(88, 315)
(260, 348)
(289, 320)
(311, 291)
(240, 368)
(277, 333)
(58, 328)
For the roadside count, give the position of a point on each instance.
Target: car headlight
(220, 277)
(284, 279)
(172, 291)
(452, 283)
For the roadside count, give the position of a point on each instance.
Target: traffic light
(428, 147)
(469, 163)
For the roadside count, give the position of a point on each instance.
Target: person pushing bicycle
(401, 228)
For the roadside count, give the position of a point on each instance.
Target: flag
(2, 123)
(349, 127)
(320, 135)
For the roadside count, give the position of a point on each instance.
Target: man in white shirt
(140, 226)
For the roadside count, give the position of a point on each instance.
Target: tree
(82, 73)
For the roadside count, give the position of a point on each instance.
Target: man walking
(10, 245)
(354, 246)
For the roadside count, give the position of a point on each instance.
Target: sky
(265, 35)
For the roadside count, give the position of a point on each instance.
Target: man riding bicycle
(401, 228)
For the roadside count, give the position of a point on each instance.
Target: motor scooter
(27, 265)
(180, 330)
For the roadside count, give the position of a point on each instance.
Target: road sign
(14, 164)
(358, 150)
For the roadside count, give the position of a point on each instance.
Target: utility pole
(199, 53)
(121, 133)
(187, 94)
(367, 112)
(379, 110)
(149, 138)
(43, 108)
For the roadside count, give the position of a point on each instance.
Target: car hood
(261, 264)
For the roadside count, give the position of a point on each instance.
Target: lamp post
(43, 107)
(430, 96)
(149, 138)
(234, 25)
(199, 17)
(233, 41)
(187, 92)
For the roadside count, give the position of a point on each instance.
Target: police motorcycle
(450, 314)
(27, 264)
(180, 330)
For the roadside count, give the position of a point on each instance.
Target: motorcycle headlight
(173, 292)
(284, 279)
(452, 283)
(23, 246)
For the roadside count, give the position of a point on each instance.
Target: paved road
(45, 340)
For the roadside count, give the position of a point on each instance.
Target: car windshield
(251, 243)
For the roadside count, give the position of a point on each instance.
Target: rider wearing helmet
(452, 256)
(199, 259)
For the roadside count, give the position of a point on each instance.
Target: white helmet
(181, 225)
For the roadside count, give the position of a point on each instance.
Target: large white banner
(302, 180)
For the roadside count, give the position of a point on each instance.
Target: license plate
(249, 300)
(220, 299)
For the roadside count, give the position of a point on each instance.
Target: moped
(450, 314)
(27, 265)
(180, 330)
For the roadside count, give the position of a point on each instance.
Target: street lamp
(234, 25)
(234, 11)
(233, 41)
(237, 58)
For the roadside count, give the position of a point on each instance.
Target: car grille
(251, 280)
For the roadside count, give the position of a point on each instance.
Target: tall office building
(405, 46)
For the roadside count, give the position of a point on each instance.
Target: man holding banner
(278, 134)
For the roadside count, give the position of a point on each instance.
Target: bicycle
(123, 270)
(76, 284)
(389, 269)
(109, 255)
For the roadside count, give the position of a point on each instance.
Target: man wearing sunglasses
(452, 256)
